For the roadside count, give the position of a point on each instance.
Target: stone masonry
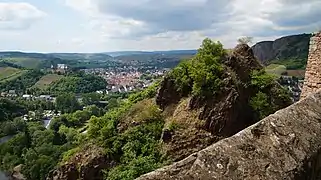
(313, 70)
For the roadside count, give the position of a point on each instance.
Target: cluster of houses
(13, 93)
(115, 88)
(293, 84)
(126, 80)
(47, 116)
(10, 93)
(60, 68)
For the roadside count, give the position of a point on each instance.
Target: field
(8, 73)
(46, 80)
(24, 62)
(297, 73)
(275, 69)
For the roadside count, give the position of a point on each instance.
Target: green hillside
(26, 62)
(290, 51)
(46, 80)
(9, 73)
(275, 69)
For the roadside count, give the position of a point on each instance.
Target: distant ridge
(291, 51)
(169, 52)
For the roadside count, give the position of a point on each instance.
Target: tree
(90, 98)
(112, 103)
(245, 40)
(67, 103)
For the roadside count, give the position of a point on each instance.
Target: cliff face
(285, 145)
(199, 122)
(285, 48)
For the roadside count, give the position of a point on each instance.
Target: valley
(140, 109)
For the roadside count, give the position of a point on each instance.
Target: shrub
(260, 103)
(173, 126)
(202, 74)
(262, 80)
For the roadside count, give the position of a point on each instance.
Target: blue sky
(111, 25)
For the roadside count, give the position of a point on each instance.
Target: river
(3, 176)
(46, 123)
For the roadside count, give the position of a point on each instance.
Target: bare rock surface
(84, 165)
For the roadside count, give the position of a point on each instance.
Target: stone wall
(285, 145)
(313, 70)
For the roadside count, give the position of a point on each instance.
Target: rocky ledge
(285, 145)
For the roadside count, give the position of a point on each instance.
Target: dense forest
(40, 149)
(78, 83)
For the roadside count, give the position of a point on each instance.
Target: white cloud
(147, 20)
(104, 25)
(18, 15)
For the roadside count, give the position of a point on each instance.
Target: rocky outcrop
(203, 121)
(285, 48)
(16, 174)
(84, 165)
(312, 81)
(285, 145)
(167, 94)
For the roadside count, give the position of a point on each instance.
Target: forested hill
(42, 60)
(291, 51)
(171, 52)
(166, 59)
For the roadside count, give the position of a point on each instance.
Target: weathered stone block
(313, 69)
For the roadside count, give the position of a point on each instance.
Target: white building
(62, 66)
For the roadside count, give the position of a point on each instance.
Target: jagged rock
(167, 94)
(16, 174)
(206, 120)
(285, 145)
(85, 165)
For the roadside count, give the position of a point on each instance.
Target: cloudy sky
(109, 25)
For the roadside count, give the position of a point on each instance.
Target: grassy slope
(275, 69)
(297, 73)
(24, 61)
(9, 73)
(46, 80)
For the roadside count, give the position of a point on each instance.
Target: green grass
(297, 73)
(46, 80)
(292, 64)
(10, 73)
(275, 69)
(24, 62)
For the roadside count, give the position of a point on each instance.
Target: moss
(172, 126)
(69, 154)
